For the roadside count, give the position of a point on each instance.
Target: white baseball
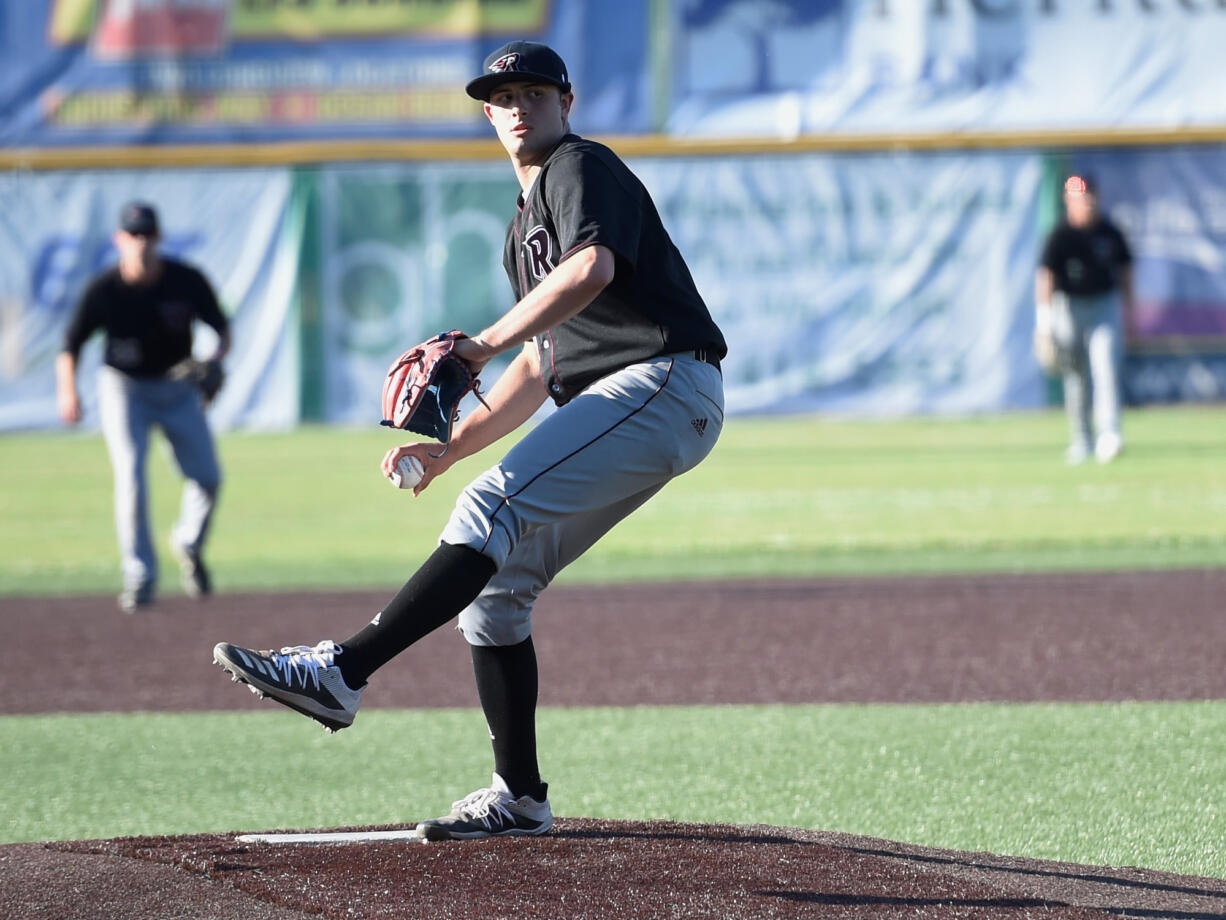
(408, 472)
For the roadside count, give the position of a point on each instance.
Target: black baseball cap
(518, 62)
(139, 219)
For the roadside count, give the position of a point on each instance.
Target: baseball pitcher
(609, 325)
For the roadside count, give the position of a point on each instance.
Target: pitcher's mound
(584, 869)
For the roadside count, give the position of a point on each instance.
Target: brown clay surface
(1090, 637)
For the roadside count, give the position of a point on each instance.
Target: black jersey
(1085, 261)
(585, 195)
(148, 327)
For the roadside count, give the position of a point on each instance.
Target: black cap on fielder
(139, 219)
(519, 62)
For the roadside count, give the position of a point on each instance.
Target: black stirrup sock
(447, 582)
(507, 685)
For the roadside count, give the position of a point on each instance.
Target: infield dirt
(1070, 637)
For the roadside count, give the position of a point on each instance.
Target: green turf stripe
(1120, 784)
(806, 496)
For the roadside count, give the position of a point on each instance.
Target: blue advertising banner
(878, 285)
(800, 67)
(1171, 205)
(883, 284)
(237, 226)
(868, 284)
(81, 73)
(98, 72)
(871, 284)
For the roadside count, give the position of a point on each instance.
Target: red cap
(1078, 185)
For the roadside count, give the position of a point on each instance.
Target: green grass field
(1139, 784)
(795, 497)
(1122, 784)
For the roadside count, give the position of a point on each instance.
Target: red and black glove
(424, 386)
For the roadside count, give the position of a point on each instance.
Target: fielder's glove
(205, 376)
(1049, 351)
(424, 386)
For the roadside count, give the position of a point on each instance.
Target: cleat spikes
(304, 678)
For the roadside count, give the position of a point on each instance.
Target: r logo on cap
(519, 61)
(508, 63)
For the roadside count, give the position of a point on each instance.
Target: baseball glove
(1046, 352)
(424, 386)
(1051, 353)
(205, 376)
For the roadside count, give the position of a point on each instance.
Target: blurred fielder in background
(1084, 301)
(146, 306)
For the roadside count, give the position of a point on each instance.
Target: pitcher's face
(529, 118)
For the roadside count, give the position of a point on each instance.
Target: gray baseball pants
(1091, 328)
(129, 408)
(574, 476)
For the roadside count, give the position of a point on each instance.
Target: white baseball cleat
(493, 812)
(303, 678)
(193, 573)
(1108, 447)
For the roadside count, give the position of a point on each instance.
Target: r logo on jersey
(538, 252)
(508, 63)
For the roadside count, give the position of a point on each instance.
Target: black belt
(708, 355)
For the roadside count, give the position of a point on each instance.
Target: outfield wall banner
(104, 72)
(405, 251)
(82, 73)
(1171, 204)
(237, 226)
(882, 284)
(796, 67)
(869, 284)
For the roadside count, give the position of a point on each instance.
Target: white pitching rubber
(336, 837)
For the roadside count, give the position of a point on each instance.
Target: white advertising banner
(235, 225)
(794, 67)
(869, 284)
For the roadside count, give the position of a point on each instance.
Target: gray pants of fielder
(129, 409)
(574, 476)
(1091, 329)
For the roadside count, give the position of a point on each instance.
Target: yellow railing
(305, 152)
